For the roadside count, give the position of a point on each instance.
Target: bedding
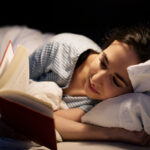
(133, 109)
(140, 77)
(130, 111)
(49, 93)
(29, 38)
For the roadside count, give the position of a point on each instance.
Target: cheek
(111, 91)
(94, 67)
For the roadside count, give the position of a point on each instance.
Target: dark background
(92, 19)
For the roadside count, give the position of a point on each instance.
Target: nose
(99, 78)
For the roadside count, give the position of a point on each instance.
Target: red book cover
(35, 125)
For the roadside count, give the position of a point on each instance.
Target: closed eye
(116, 82)
(103, 64)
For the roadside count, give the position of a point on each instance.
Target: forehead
(121, 56)
(120, 51)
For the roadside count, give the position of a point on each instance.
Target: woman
(91, 77)
(87, 76)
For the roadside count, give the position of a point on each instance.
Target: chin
(93, 96)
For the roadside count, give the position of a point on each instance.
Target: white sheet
(29, 38)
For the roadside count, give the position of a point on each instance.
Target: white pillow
(140, 76)
(129, 111)
(28, 37)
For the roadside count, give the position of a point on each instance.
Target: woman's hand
(134, 137)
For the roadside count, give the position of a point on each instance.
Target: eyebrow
(118, 76)
(105, 57)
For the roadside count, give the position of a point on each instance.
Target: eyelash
(104, 66)
(115, 81)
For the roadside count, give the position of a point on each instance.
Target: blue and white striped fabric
(56, 60)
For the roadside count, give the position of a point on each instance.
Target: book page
(29, 101)
(16, 76)
(6, 57)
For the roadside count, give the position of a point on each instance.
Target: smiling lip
(92, 89)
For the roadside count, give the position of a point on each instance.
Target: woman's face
(107, 74)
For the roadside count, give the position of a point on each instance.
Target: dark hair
(136, 36)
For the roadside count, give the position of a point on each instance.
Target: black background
(92, 19)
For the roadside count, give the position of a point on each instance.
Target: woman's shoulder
(76, 41)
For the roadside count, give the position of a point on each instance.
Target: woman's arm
(73, 130)
(70, 129)
(74, 114)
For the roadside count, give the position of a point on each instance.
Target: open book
(18, 109)
(6, 57)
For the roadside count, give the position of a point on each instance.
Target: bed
(69, 145)
(26, 36)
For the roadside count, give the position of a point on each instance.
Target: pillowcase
(130, 111)
(140, 76)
